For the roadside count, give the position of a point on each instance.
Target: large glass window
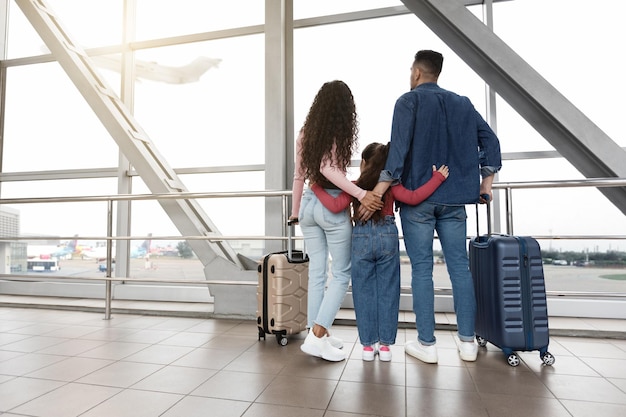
(376, 68)
(216, 119)
(92, 23)
(232, 216)
(165, 18)
(49, 125)
(22, 38)
(303, 9)
(582, 64)
(61, 219)
(214, 116)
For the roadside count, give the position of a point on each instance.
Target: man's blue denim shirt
(433, 126)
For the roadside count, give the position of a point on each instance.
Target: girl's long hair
(332, 119)
(374, 156)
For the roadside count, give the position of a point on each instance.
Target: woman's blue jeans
(418, 226)
(376, 280)
(325, 233)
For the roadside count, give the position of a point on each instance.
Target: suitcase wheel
(282, 339)
(482, 342)
(548, 358)
(261, 333)
(513, 359)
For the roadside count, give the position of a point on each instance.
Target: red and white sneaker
(369, 352)
(384, 353)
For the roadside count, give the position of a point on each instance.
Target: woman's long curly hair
(373, 157)
(331, 119)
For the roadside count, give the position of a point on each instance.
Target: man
(433, 126)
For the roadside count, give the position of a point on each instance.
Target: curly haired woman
(323, 152)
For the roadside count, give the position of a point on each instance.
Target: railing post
(509, 210)
(286, 214)
(107, 303)
(109, 263)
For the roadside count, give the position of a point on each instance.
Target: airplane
(52, 251)
(66, 252)
(141, 250)
(99, 253)
(156, 72)
(151, 70)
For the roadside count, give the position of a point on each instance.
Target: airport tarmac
(559, 278)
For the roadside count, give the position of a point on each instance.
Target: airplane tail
(73, 245)
(146, 244)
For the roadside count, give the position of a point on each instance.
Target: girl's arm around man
(400, 193)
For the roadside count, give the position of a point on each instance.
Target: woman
(323, 152)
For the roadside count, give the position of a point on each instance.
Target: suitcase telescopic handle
(290, 226)
(301, 255)
(488, 204)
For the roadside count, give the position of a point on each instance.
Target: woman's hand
(372, 201)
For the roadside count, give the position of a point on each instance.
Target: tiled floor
(56, 363)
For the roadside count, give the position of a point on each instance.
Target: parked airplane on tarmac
(141, 250)
(52, 251)
(99, 253)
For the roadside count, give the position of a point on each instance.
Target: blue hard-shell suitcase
(510, 290)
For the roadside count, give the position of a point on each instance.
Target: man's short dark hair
(431, 61)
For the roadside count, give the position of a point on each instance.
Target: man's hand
(485, 189)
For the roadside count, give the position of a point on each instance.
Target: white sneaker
(468, 351)
(424, 353)
(321, 348)
(335, 341)
(384, 353)
(369, 352)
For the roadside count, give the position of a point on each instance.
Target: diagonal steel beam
(218, 258)
(572, 134)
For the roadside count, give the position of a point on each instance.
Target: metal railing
(284, 195)
(508, 188)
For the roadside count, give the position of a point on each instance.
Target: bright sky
(575, 44)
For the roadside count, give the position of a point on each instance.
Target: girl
(375, 252)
